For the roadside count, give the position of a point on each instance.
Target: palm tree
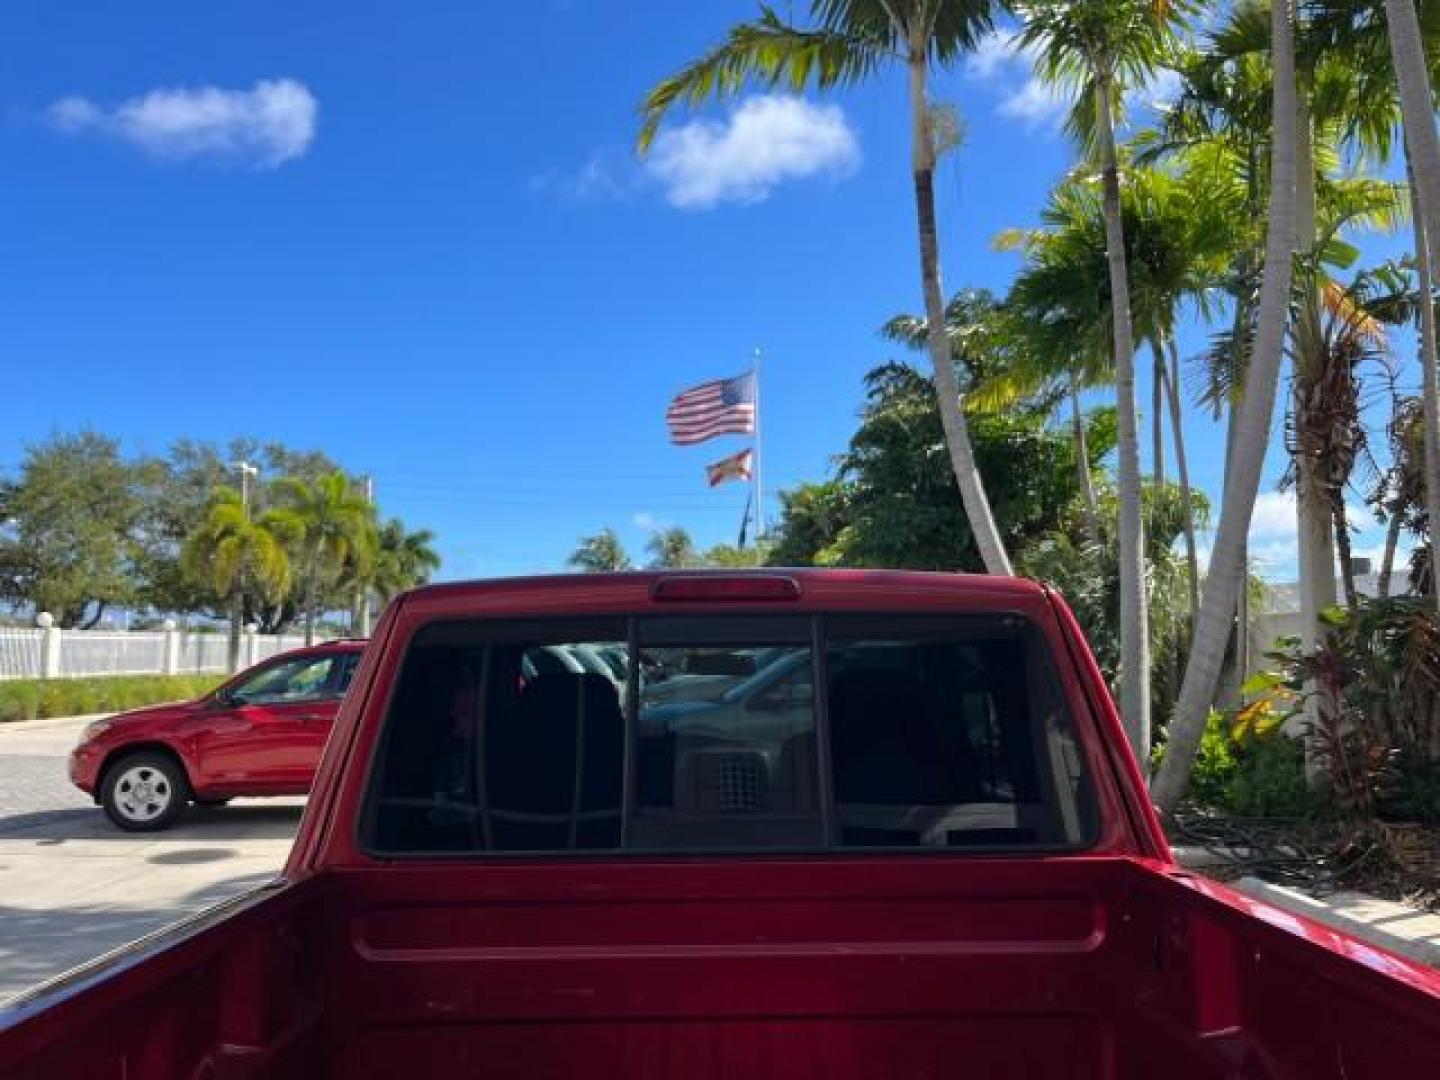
(1327, 430)
(1179, 231)
(334, 524)
(1227, 574)
(1390, 60)
(403, 559)
(849, 41)
(600, 554)
(231, 552)
(672, 549)
(1100, 47)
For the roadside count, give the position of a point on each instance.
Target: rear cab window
(728, 733)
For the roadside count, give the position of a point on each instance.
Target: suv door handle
(312, 716)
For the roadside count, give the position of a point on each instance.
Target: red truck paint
(1108, 963)
(226, 750)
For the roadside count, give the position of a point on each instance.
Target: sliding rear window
(727, 733)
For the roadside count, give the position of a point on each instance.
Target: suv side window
(345, 672)
(304, 678)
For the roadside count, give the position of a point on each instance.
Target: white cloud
(995, 54)
(1037, 104)
(1000, 62)
(265, 126)
(1274, 516)
(766, 140)
(607, 175)
(1162, 90)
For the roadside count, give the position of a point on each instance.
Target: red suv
(260, 733)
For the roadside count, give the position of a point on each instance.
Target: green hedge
(31, 699)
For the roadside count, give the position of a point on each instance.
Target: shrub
(31, 699)
(1247, 770)
(1414, 792)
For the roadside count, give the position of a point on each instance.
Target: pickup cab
(922, 849)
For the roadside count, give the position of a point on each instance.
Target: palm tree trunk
(1157, 413)
(1314, 515)
(1134, 631)
(1387, 561)
(237, 620)
(312, 592)
(1429, 393)
(1171, 383)
(957, 432)
(1082, 457)
(1407, 51)
(1343, 551)
(1227, 569)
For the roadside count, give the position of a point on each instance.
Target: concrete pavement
(72, 886)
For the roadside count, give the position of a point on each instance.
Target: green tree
(730, 557)
(849, 41)
(892, 503)
(672, 549)
(1087, 572)
(231, 552)
(1101, 48)
(403, 559)
(1227, 574)
(1179, 230)
(602, 553)
(67, 529)
(333, 522)
(175, 492)
(811, 517)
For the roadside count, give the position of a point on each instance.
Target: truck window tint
(946, 738)
(495, 745)
(936, 733)
(726, 753)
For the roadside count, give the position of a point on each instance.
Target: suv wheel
(145, 792)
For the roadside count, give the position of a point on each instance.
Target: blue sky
(415, 236)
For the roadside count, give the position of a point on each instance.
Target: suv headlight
(95, 730)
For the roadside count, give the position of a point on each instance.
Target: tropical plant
(1377, 677)
(893, 502)
(1326, 432)
(811, 517)
(333, 523)
(1228, 573)
(232, 552)
(601, 553)
(1179, 230)
(403, 559)
(847, 42)
(1086, 571)
(672, 549)
(1098, 49)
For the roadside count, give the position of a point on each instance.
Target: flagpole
(759, 488)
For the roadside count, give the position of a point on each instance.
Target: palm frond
(768, 52)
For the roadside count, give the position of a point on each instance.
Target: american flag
(721, 407)
(735, 467)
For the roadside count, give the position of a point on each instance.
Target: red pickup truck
(810, 824)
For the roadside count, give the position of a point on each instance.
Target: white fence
(47, 652)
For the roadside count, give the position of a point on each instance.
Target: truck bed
(1003, 967)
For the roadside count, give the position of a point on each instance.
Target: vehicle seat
(877, 720)
(554, 776)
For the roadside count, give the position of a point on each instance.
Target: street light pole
(237, 602)
(364, 619)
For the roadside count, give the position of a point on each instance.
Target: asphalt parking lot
(73, 887)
